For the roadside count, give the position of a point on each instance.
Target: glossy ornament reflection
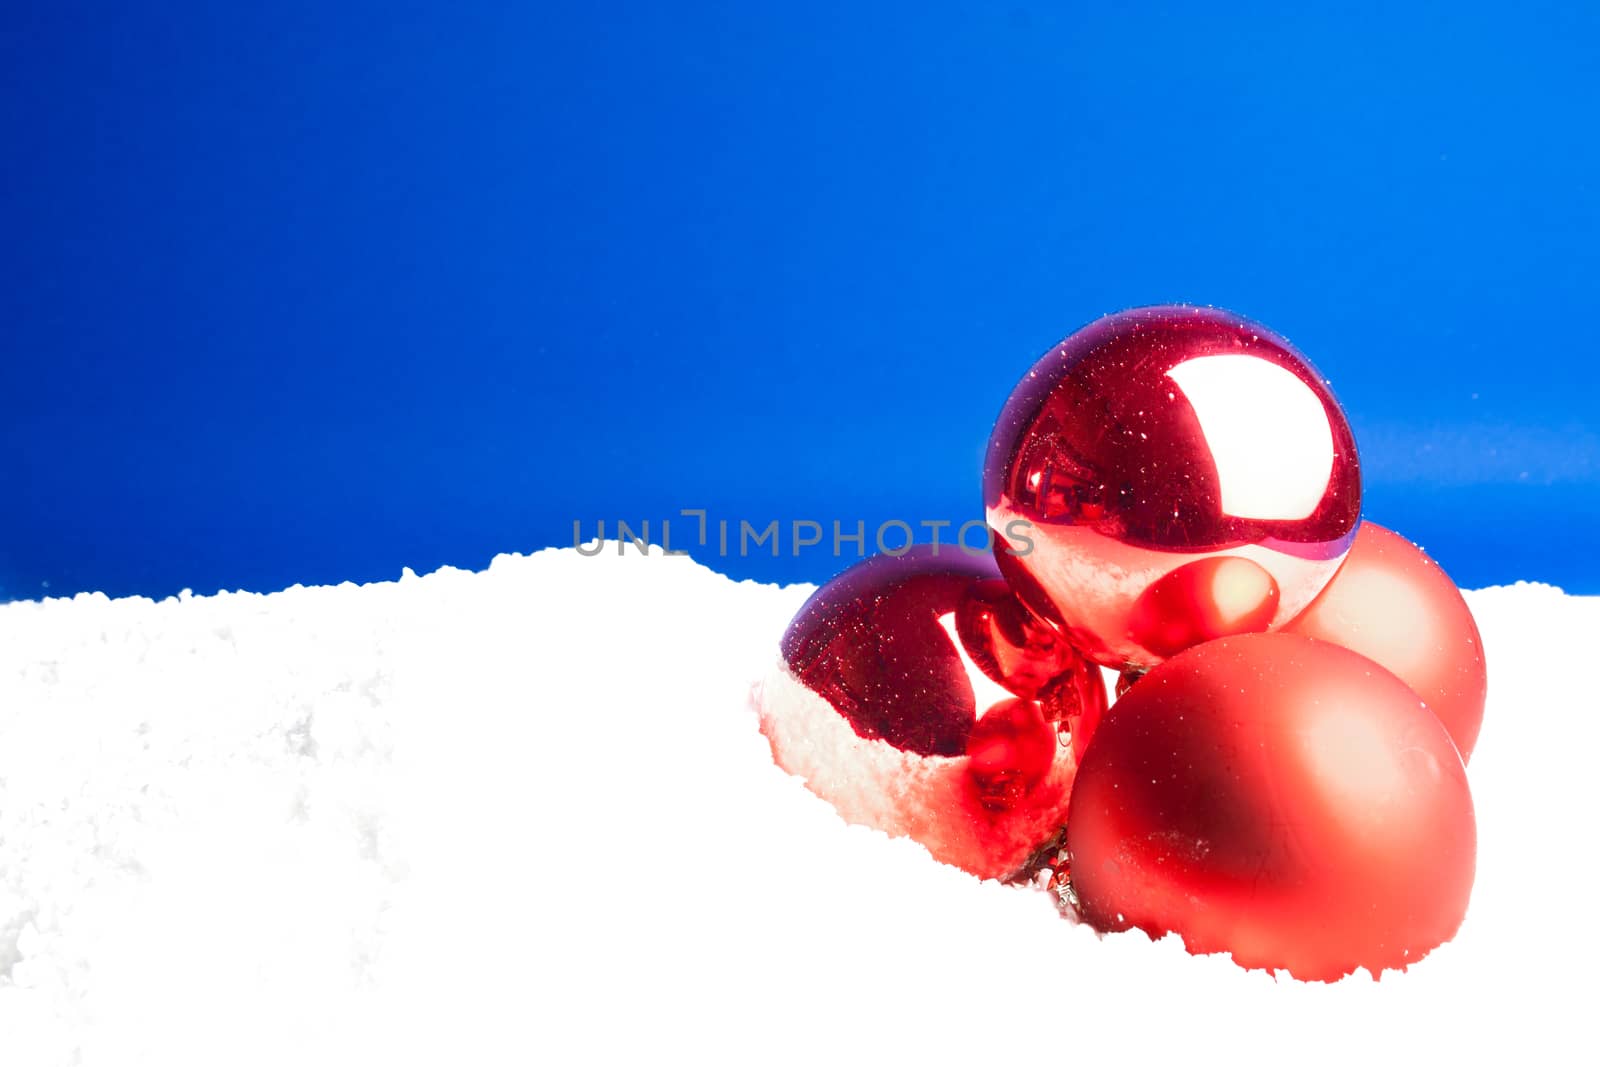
(1202, 601)
(1011, 749)
(1029, 657)
(872, 644)
(882, 703)
(1154, 440)
(1279, 798)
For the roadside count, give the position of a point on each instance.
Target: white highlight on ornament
(986, 691)
(1268, 433)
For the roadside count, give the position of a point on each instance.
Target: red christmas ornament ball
(1155, 441)
(1393, 604)
(1279, 798)
(882, 703)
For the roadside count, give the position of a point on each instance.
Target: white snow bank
(526, 815)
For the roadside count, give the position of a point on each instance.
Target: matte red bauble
(1150, 443)
(882, 703)
(1393, 604)
(1279, 798)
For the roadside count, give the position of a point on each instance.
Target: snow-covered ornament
(891, 700)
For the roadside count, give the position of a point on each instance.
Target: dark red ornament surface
(1154, 439)
(1280, 798)
(871, 644)
(1393, 604)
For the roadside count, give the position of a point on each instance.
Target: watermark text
(741, 537)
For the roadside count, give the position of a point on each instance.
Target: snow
(526, 815)
(872, 783)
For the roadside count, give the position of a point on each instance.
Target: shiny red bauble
(882, 703)
(1279, 798)
(1031, 659)
(1010, 752)
(892, 641)
(1011, 645)
(1393, 604)
(876, 644)
(1150, 442)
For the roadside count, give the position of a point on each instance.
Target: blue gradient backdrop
(307, 292)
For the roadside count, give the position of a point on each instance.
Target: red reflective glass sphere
(881, 703)
(876, 643)
(1030, 658)
(1394, 605)
(1156, 439)
(1283, 799)
(1011, 749)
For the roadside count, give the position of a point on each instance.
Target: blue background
(307, 292)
